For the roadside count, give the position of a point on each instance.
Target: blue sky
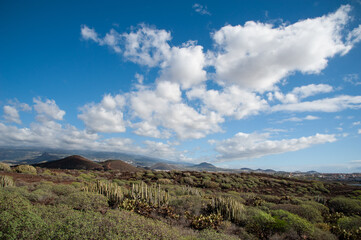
(259, 84)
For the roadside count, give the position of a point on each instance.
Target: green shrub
(202, 222)
(63, 189)
(210, 234)
(5, 167)
(187, 181)
(85, 201)
(42, 195)
(346, 205)
(320, 187)
(226, 186)
(191, 203)
(300, 225)
(87, 176)
(349, 223)
(165, 181)
(306, 211)
(210, 184)
(260, 223)
(18, 219)
(27, 169)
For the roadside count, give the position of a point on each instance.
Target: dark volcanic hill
(119, 165)
(204, 166)
(72, 162)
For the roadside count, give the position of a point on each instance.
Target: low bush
(63, 190)
(260, 223)
(5, 167)
(85, 201)
(165, 181)
(300, 225)
(203, 222)
(349, 223)
(18, 219)
(346, 205)
(306, 211)
(27, 169)
(42, 195)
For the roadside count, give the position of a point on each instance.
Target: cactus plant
(153, 194)
(229, 208)
(6, 181)
(112, 191)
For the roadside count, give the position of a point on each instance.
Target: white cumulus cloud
(163, 107)
(147, 46)
(254, 145)
(257, 55)
(89, 33)
(47, 110)
(106, 116)
(232, 101)
(185, 66)
(11, 114)
(334, 104)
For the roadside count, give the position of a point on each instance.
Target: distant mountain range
(56, 158)
(45, 157)
(32, 156)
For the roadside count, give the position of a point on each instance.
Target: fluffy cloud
(161, 150)
(11, 111)
(47, 110)
(149, 129)
(106, 116)
(354, 36)
(334, 104)
(254, 145)
(89, 33)
(163, 107)
(111, 39)
(185, 66)
(232, 101)
(11, 114)
(147, 46)
(299, 93)
(46, 134)
(257, 56)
